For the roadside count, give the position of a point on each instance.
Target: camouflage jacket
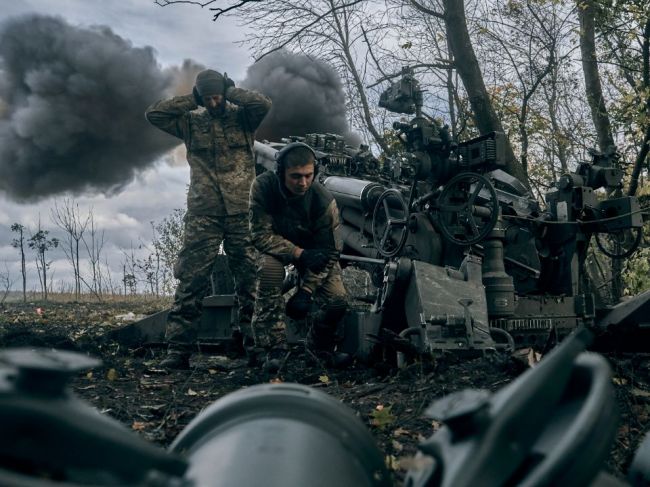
(219, 150)
(279, 223)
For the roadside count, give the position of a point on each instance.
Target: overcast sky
(176, 33)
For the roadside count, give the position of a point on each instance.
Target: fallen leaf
(138, 425)
(212, 371)
(112, 375)
(192, 392)
(619, 381)
(276, 380)
(397, 446)
(89, 375)
(324, 379)
(391, 462)
(382, 416)
(400, 432)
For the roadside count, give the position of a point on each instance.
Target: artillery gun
(293, 435)
(462, 255)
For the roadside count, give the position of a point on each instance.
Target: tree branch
(446, 66)
(306, 27)
(427, 10)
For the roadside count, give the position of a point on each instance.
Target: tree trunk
(593, 87)
(468, 68)
(645, 144)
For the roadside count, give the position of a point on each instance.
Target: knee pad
(270, 272)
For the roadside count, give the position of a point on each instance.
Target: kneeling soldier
(293, 219)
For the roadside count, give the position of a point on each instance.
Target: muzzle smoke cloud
(307, 96)
(72, 104)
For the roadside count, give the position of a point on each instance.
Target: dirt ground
(391, 402)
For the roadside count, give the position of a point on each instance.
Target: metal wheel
(620, 244)
(462, 220)
(389, 223)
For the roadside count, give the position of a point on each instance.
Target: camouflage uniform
(279, 223)
(222, 168)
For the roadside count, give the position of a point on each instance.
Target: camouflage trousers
(269, 317)
(202, 241)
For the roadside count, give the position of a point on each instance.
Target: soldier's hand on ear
(197, 97)
(227, 82)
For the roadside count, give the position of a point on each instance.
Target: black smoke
(307, 96)
(72, 104)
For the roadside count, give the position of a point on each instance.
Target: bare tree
(526, 43)
(19, 243)
(6, 283)
(68, 218)
(41, 244)
(93, 242)
(129, 271)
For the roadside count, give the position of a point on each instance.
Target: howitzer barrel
(280, 435)
(265, 155)
(363, 260)
(357, 241)
(356, 218)
(356, 193)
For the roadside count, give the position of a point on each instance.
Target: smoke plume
(72, 104)
(307, 96)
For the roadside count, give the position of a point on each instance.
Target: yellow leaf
(324, 379)
(111, 375)
(89, 375)
(391, 462)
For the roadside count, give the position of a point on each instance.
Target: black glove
(315, 260)
(298, 305)
(227, 82)
(197, 97)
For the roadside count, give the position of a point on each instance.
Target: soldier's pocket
(201, 139)
(235, 136)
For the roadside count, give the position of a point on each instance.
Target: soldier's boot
(254, 354)
(176, 359)
(237, 343)
(274, 359)
(321, 343)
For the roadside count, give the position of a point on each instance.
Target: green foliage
(636, 274)
(167, 243)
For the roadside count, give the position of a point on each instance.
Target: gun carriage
(462, 255)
